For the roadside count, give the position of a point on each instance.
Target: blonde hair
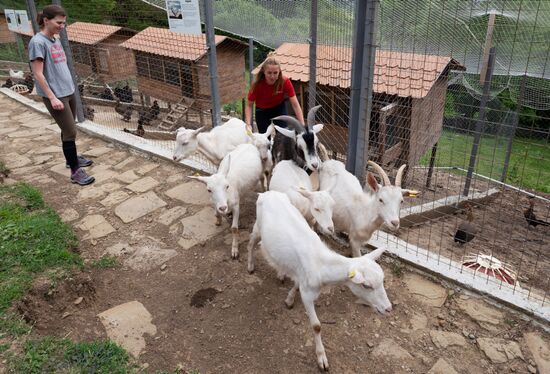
(270, 60)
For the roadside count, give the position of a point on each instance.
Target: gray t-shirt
(56, 70)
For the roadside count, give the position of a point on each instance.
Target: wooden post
(302, 96)
(488, 45)
(431, 167)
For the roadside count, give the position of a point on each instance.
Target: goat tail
(323, 153)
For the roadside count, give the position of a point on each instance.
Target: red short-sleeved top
(264, 96)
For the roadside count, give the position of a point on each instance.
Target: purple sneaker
(81, 177)
(82, 162)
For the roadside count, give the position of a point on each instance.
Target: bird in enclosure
(530, 216)
(124, 110)
(466, 230)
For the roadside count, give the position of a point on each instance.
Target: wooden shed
(408, 103)
(97, 49)
(6, 35)
(173, 66)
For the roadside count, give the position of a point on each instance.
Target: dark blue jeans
(264, 116)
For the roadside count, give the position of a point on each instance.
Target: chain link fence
(460, 93)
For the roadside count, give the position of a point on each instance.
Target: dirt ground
(213, 316)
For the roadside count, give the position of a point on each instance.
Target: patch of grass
(106, 262)
(4, 171)
(529, 165)
(397, 269)
(11, 52)
(4, 347)
(13, 325)
(53, 355)
(32, 239)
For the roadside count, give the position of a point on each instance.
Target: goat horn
(381, 173)
(311, 116)
(291, 121)
(399, 175)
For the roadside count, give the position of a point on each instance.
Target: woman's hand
(57, 104)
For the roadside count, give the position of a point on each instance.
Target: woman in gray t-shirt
(55, 85)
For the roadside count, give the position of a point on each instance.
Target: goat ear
(356, 277)
(286, 132)
(318, 127)
(199, 178)
(270, 130)
(375, 255)
(227, 166)
(371, 182)
(304, 192)
(410, 193)
(197, 131)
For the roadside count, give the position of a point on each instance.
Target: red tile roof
(396, 73)
(171, 44)
(90, 33)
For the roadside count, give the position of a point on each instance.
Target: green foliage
(32, 239)
(106, 262)
(11, 52)
(529, 160)
(13, 325)
(53, 355)
(96, 11)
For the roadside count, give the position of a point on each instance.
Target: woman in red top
(270, 91)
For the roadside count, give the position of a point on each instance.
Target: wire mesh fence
(473, 134)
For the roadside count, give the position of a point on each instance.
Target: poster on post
(23, 23)
(10, 19)
(184, 16)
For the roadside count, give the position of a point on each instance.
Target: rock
(163, 267)
(389, 348)
(532, 369)
(426, 291)
(442, 367)
(443, 339)
(540, 351)
(499, 351)
(78, 300)
(480, 311)
(370, 344)
(138, 206)
(65, 315)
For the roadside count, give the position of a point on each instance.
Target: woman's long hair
(50, 12)
(261, 75)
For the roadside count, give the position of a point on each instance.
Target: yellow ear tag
(196, 174)
(351, 274)
(248, 132)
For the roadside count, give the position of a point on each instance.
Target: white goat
(239, 173)
(315, 206)
(358, 212)
(293, 249)
(221, 140)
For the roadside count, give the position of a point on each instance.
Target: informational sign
(23, 23)
(184, 16)
(10, 18)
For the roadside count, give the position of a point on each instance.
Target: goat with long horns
(299, 143)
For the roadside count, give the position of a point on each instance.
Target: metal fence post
(212, 62)
(481, 120)
(362, 82)
(250, 60)
(70, 63)
(31, 7)
(312, 88)
(513, 131)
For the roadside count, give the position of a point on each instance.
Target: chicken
(146, 115)
(124, 94)
(89, 113)
(29, 81)
(139, 132)
(124, 110)
(17, 74)
(466, 230)
(155, 109)
(106, 94)
(8, 83)
(530, 216)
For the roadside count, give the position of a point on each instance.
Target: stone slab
(96, 152)
(126, 325)
(198, 228)
(14, 160)
(69, 215)
(190, 193)
(444, 339)
(540, 351)
(114, 198)
(426, 291)
(127, 177)
(138, 206)
(96, 225)
(499, 351)
(389, 348)
(143, 169)
(442, 367)
(480, 311)
(143, 184)
(171, 215)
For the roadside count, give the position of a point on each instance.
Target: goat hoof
(289, 305)
(234, 255)
(250, 270)
(322, 362)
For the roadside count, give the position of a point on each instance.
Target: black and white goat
(300, 143)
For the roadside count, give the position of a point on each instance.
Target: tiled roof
(171, 44)
(395, 73)
(90, 33)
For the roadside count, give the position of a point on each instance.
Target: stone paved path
(146, 213)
